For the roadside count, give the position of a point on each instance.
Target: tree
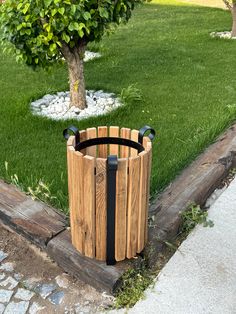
(231, 5)
(42, 31)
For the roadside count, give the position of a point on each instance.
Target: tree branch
(226, 2)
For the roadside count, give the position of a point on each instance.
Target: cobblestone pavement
(31, 283)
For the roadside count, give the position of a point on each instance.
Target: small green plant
(134, 283)
(130, 94)
(38, 189)
(193, 216)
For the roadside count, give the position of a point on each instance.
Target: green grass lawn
(187, 80)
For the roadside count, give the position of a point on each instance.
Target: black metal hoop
(74, 130)
(143, 130)
(109, 140)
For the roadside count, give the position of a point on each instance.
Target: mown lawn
(187, 80)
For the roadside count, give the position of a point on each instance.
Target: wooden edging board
(47, 228)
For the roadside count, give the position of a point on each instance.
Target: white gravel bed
(57, 106)
(224, 35)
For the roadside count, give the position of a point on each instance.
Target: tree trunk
(233, 10)
(74, 58)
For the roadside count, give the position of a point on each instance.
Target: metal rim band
(109, 140)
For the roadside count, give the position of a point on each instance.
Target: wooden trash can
(108, 180)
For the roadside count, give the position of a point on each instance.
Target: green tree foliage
(42, 31)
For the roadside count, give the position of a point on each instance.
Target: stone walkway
(31, 283)
(200, 278)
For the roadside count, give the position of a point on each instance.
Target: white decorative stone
(2, 276)
(35, 308)
(89, 55)
(17, 308)
(9, 283)
(224, 35)
(57, 106)
(24, 294)
(7, 266)
(5, 295)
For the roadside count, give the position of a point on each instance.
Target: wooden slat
(89, 205)
(91, 133)
(142, 201)
(124, 150)
(71, 189)
(71, 141)
(146, 140)
(149, 167)
(114, 132)
(133, 205)
(101, 208)
(102, 149)
(77, 211)
(83, 137)
(134, 137)
(121, 209)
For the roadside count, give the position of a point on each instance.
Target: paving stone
(62, 281)
(7, 266)
(35, 308)
(18, 277)
(17, 308)
(9, 283)
(45, 289)
(2, 276)
(24, 294)
(31, 283)
(3, 255)
(56, 297)
(2, 308)
(5, 295)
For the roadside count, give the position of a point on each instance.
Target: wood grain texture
(134, 137)
(124, 150)
(83, 137)
(102, 149)
(149, 168)
(121, 209)
(92, 150)
(89, 205)
(77, 212)
(35, 220)
(101, 208)
(143, 208)
(91, 271)
(133, 205)
(114, 132)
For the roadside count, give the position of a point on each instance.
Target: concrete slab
(201, 276)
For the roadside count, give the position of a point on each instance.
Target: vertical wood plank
(149, 167)
(114, 132)
(142, 201)
(83, 137)
(133, 205)
(102, 149)
(121, 209)
(124, 150)
(91, 133)
(134, 137)
(77, 231)
(101, 208)
(89, 205)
